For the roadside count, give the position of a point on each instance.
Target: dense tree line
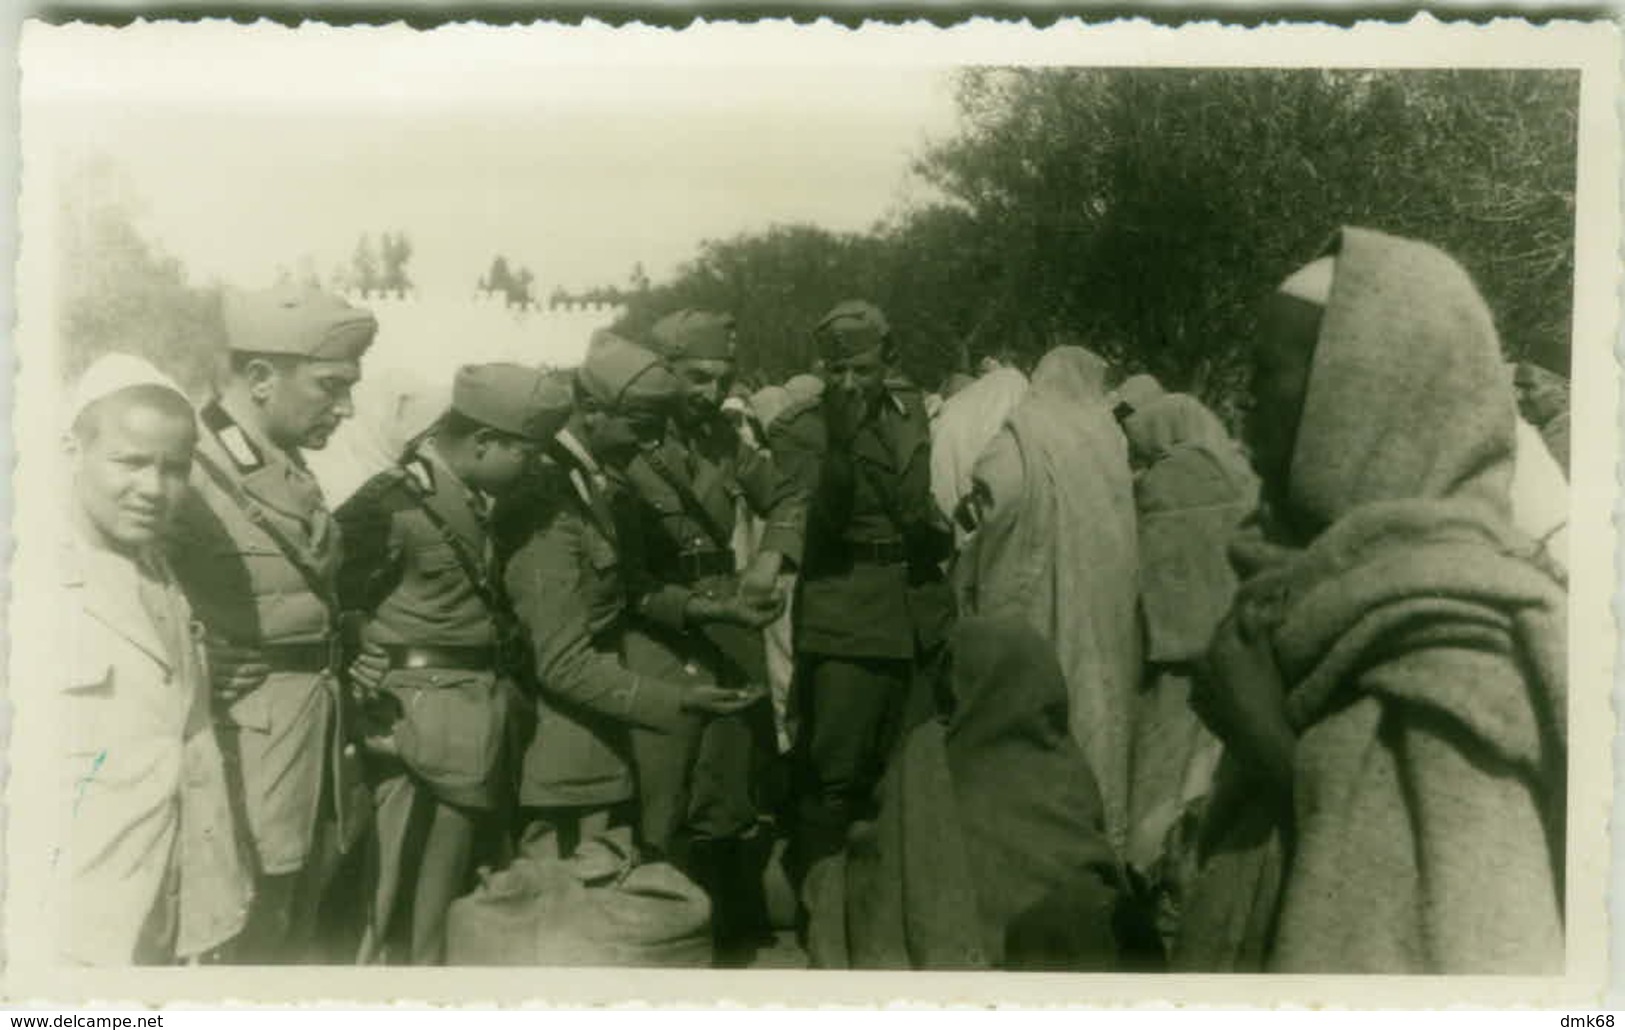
(1145, 212)
(1141, 212)
(116, 291)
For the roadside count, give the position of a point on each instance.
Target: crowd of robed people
(1043, 672)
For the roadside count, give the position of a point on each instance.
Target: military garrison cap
(304, 323)
(513, 399)
(851, 327)
(619, 374)
(691, 333)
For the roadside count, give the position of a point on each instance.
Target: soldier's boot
(716, 866)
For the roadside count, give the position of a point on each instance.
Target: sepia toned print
(1095, 508)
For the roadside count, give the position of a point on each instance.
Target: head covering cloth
(114, 373)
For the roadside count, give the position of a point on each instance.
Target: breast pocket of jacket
(438, 569)
(602, 575)
(87, 694)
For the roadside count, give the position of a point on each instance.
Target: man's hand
(736, 611)
(368, 669)
(721, 701)
(381, 744)
(234, 672)
(1239, 694)
(760, 581)
(753, 613)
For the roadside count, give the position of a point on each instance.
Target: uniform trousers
(286, 914)
(852, 712)
(434, 864)
(702, 783)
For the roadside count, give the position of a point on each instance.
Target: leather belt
(695, 565)
(467, 658)
(877, 552)
(316, 656)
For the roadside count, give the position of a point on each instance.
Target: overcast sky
(249, 150)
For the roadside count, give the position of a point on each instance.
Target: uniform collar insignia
(419, 474)
(242, 450)
(578, 451)
(895, 385)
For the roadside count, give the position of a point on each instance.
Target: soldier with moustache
(570, 551)
(256, 549)
(873, 608)
(698, 618)
(417, 568)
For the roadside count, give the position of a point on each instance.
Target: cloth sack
(596, 908)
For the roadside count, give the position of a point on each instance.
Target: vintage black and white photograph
(768, 499)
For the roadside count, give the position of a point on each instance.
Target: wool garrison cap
(619, 374)
(690, 333)
(512, 399)
(851, 327)
(303, 323)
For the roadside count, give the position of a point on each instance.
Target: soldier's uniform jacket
(413, 536)
(564, 578)
(688, 492)
(149, 862)
(871, 584)
(286, 738)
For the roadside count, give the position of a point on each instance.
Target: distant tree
(639, 279)
(517, 285)
(524, 282)
(395, 251)
(364, 277)
(117, 291)
(497, 279)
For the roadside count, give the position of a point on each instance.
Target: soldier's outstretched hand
(754, 612)
(721, 700)
(760, 580)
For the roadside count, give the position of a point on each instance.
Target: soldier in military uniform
(698, 790)
(566, 575)
(417, 564)
(256, 550)
(873, 608)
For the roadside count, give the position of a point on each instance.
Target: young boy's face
(131, 462)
